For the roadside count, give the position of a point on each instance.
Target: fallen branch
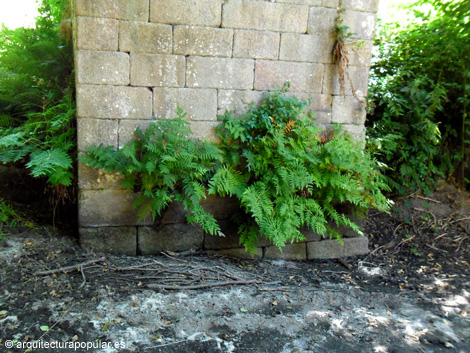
(83, 276)
(427, 199)
(344, 263)
(460, 219)
(201, 286)
(76, 267)
(434, 248)
(166, 344)
(428, 212)
(140, 267)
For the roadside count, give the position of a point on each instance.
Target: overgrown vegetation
(37, 108)
(164, 165)
(286, 174)
(7, 216)
(419, 98)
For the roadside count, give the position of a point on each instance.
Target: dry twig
(201, 286)
(76, 267)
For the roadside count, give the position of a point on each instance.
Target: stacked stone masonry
(137, 60)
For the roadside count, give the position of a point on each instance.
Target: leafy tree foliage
(286, 174)
(420, 93)
(36, 96)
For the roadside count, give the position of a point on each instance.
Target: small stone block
(332, 249)
(203, 41)
(289, 252)
(169, 237)
(360, 54)
(198, 13)
(358, 76)
(87, 29)
(224, 73)
(157, 70)
(304, 77)
(110, 240)
(263, 15)
(199, 104)
(96, 179)
(135, 10)
(256, 44)
(113, 102)
(145, 37)
(361, 24)
(237, 101)
(93, 132)
(111, 207)
(306, 48)
(102, 67)
(127, 130)
(321, 21)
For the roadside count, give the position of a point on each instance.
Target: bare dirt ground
(410, 294)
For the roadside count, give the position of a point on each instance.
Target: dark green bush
(37, 108)
(419, 95)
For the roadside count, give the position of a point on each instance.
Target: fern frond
(49, 162)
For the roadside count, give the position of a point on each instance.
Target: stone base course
(180, 237)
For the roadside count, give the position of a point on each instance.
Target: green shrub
(419, 93)
(285, 173)
(37, 108)
(289, 175)
(164, 165)
(7, 216)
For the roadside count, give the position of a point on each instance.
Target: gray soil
(410, 294)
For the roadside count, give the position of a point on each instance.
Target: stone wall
(136, 60)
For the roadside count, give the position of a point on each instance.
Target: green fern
(164, 165)
(285, 172)
(292, 176)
